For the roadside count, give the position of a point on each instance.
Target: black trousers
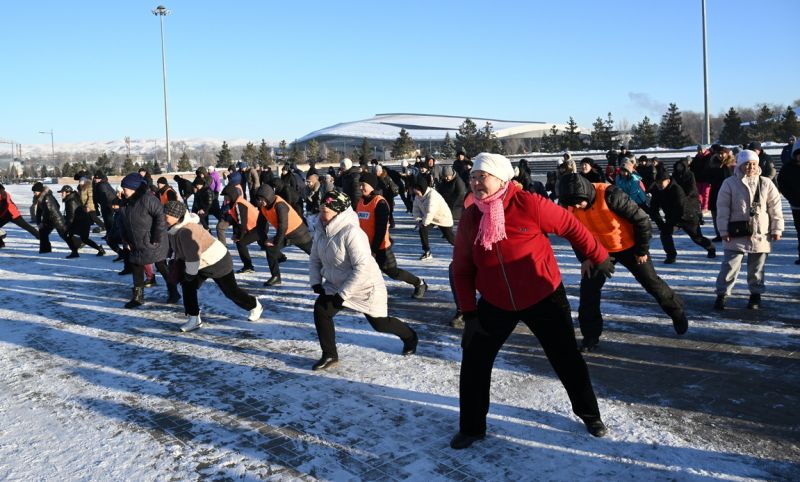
(795, 219)
(44, 239)
(324, 311)
(96, 219)
(138, 272)
(693, 230)
(19, 221)
(423, 236)
(274, 255)
(388, 265)
(589, 316)
(226, 283)
(551, 322)
(241, 246)
(83, 235)
(108, 216)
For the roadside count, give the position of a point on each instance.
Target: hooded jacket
(453, 193)
(144, 228)
(341, 261)
(431, 208)
(521, 270)
(103, 193)
(282, 217)
(733, 204)
(77, 219)
(48, 211)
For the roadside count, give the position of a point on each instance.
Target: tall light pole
(707, 121)
(161, 12)
(52, 145)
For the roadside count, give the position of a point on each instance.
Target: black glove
(606, 268)
(189, 278)
(317, 288)
(337, 300)
(472, 327)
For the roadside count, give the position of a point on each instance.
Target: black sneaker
(680, 323)
(589, 345)
(755, 301)
(73, 255)
(101, 252)
(462, 440)
(410, 345)
(712, 253)
(273, 281)
(325, 362)
(670, 259)
(458, 320)
(719, 303)
(420, 289)
(596, 427)
(150, 283)
(246, 270)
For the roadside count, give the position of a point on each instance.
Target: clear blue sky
(279, 69)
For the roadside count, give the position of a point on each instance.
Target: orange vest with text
(366, 219)
(612, 231)
(163, 195)
(272, 215)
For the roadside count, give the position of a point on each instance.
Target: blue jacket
(633, 187)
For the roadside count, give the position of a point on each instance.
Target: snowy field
(92, 391)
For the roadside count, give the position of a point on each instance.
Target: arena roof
(386, 127)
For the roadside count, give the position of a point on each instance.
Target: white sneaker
(255, 313)
(194, 323)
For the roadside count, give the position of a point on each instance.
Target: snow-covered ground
(92, 391)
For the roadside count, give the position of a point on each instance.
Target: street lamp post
(161, 12)
(52, 145)
(707, 121)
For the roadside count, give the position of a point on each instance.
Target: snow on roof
(386, 127)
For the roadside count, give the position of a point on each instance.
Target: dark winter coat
(786, 153)
(311, 199)
(700, 166)
(592, 176)
(300, 235)
(185, 188)
(289, 194)
(349, 183)
(648, 174)
(789, 182)
(144, 228)
(203, 199)
(104, 194)
(453, 192)
(766, 165)
(678, 209)
(48, 211)
(716, 176)
(77, 219)
(396, 178)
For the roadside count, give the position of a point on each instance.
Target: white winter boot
(194, 323)
(255, 313)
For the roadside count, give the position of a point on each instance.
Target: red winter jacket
(520, 270)
(8, 208)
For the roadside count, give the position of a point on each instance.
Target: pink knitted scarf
(493, 223)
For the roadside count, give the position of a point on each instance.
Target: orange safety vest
(252, 213)
(612, 231)
(272, 215)
(163, 196)
(366, 219)
(11, 208)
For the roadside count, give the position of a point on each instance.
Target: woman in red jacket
(10, 213)
(502, 252)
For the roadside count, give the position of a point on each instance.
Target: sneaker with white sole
(255, 313)
(194, 323)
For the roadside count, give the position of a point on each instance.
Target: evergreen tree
(488, 140)
(404, 146)
(183, 163)
(224, 156)
(645, 134)
(103, 163)
(127, 166)
(66, 170)
(468, 138)
(366, 150)
(449, 147)
(264, 154)
(333, 156)
(670, 131)
(611, 134)
(789, 126)
(313, 150)
(250, 154)
(282, 150)
(295, 154)
(44, 171)
(572, 138)
(732, 131)
(763, 129)
(552, 142)
(600, 138)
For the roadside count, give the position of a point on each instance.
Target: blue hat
(242, 165)
(132, 181)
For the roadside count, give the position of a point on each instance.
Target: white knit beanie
(746, 156)
(497, 165)
(346, 163)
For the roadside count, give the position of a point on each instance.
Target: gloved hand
(337, 300)
(317, 288)
(472, 327)
(606, 268)
(189, 278)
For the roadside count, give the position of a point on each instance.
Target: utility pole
(707, 121)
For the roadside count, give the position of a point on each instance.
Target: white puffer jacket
(341, 261)
(431, 208)
(733, 204)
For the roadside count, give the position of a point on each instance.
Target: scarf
(493, 223)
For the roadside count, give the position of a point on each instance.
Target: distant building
(427, 130)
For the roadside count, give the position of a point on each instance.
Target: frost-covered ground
(90, 390)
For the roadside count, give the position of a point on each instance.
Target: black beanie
(37, 187)
(421, 183)
(661, 175)
(369, 178)
(162, 180)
